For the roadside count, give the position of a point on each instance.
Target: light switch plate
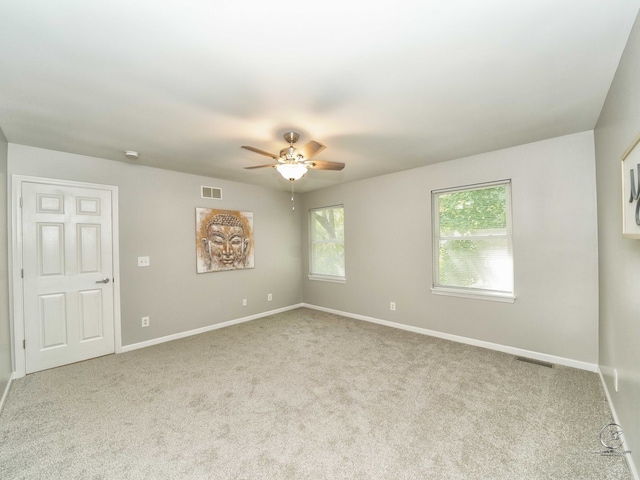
(143, 261)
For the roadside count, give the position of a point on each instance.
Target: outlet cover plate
(143, 261)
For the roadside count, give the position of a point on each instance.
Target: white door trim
(18, 332)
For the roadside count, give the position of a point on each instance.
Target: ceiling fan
(292, 163)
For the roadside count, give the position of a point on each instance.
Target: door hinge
(24, 344)
(20, 202)
(22, 273)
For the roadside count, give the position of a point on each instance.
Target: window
(472, 247)
(326, 231)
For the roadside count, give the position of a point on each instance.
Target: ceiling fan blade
(261, 152)
(311, 149)
(262, 166)
(324, 165)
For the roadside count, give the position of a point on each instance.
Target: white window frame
(321, 276)
(470, 292)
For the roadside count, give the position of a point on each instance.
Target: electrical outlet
(615, 379)
(143, 261)
(392, 306)
(244, 302)
(269, 297)
(145, 321)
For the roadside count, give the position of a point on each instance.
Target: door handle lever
(104, 280)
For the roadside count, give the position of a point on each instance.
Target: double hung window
(326, 233)
(472, 245)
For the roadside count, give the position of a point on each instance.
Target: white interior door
(67, 259)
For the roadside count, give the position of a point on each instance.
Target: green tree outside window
(327, 241)
(473, 238)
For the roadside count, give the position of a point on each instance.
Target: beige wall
(157, 219)
(388, 250)
(388, 243)
(619, 123)
(5, 351)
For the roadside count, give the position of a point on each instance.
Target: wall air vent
(211, 192)
(535, 362)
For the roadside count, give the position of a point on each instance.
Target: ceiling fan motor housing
(289, 154)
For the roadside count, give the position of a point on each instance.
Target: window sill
(328, 278)
(491, 296)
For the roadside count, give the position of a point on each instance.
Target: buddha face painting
(225, 240)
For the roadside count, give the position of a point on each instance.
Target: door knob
(104, 280)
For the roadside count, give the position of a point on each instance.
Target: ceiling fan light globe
(291, 171)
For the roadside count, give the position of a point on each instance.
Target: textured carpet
(306, 395)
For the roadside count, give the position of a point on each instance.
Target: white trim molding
(630, 462)
(5, 394)
(567, 362)
(197, 331)
(458, 292)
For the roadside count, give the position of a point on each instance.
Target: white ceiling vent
(211, 192)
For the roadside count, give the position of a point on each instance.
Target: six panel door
(68, 274)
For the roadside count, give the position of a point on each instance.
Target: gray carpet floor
(306, 395)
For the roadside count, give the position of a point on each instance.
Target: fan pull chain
(293, 205)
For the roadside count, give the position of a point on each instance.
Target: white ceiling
(387, 86)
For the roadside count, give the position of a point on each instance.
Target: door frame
(16, 283)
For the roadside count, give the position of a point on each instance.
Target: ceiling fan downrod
(289, 155)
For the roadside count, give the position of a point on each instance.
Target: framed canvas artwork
(631, 190)
(224, 240)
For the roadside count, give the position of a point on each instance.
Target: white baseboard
(567, 362)
(632, 466)
(5, 394)
(189, 333)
